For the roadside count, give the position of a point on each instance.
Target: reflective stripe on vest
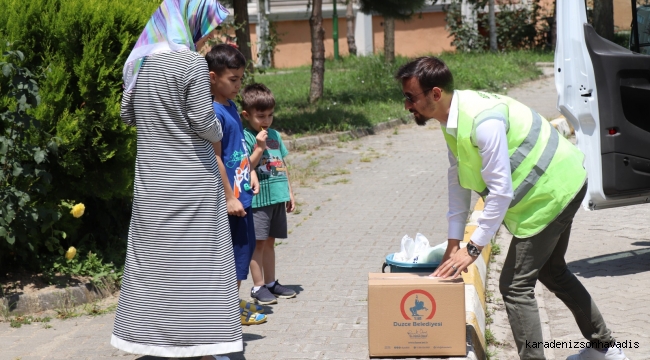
(542, 163)
(522, 151)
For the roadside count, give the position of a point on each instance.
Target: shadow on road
(615, 264)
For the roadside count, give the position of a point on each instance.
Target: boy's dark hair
(222, 57)
(430, 71)
(257, 97)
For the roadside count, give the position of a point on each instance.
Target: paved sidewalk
(389, 184)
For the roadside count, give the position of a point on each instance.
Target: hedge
(81, 46)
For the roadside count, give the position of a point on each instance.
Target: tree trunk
(389, 39)
(263, 53)
(493, 27)
(317, 51)
(604, 18)
(240, 8)
(349, 16)
(554, 26)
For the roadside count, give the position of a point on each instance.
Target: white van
(604, 92)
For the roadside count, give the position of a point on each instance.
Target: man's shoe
(263, 296)
(281, 291)
(591, 354)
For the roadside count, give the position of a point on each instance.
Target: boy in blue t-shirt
(226, 65)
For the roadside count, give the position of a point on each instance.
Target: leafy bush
(464, 33)
(517, 26)
(26, 214)
(83, 45)
(92, 265)
(622, 38)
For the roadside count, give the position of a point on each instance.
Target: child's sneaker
(263, 296)
(592, 354)
(251, 318)
(249, 306)
(281, 291)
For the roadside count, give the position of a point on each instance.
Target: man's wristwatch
(472, 250)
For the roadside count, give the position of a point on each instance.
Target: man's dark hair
(430, 71)
(257, 97)
(222, 57)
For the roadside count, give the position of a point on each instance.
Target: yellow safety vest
(547, 170)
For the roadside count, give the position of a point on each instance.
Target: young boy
(275, 198)
(226, 65)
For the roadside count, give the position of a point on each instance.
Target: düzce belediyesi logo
(418, 305)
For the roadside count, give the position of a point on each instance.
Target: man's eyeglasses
(410, 98)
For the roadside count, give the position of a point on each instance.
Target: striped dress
(179, 293)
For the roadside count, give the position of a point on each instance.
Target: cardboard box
(412, 314)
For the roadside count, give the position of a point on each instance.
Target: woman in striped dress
(179, 295)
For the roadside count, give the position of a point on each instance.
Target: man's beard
(419, 118)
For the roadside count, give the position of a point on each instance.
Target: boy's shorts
(243, 241)
(270, 221)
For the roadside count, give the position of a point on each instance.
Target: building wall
(294, 48)
(423, 34)
(622, 14)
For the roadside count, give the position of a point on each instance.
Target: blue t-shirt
(234, 153)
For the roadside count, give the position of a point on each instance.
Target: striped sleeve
(198, 102)
(127, 113)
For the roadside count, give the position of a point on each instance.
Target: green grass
(19, 321)
(360, 91)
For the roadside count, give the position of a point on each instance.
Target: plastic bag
(412, 249)
(405, 251)
(433, 255)
(420, 246)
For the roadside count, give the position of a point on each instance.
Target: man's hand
(235, 207)
(261, 139)
(291, 204)
(452, 247)
(452, 265)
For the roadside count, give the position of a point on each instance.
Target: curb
(71, 296)
(310, 142)
(547, 68)
(475, 296)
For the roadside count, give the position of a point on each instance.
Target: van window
(640, 33)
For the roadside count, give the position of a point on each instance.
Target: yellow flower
(78, 210)
(71, 252)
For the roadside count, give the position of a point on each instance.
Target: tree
(493, 27)
(391, 10)
(389, 39)
(263, 53)
(604, 18)
(349, 16)
(317, 51)
(240, 7)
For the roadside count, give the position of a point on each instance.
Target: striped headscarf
(176, 26)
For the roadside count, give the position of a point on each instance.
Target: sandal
(249, 306)
(251, 318)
